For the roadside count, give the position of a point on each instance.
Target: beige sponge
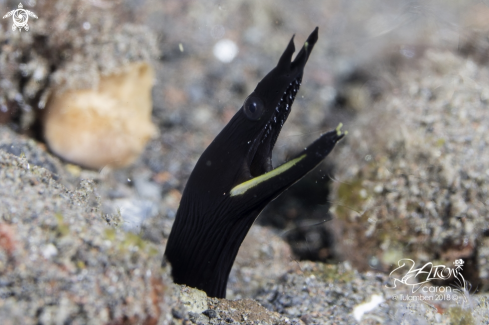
(106, 126)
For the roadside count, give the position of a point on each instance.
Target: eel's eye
(253, 108)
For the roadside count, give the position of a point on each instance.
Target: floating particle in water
(225, 50)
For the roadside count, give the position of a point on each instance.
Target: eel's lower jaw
(261, 163)
(268, 164)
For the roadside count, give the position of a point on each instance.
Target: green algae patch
(110, 234)
(129, 241)
(440, 142)
(80, 264)
(133, 240)
(330, 273)
(392, 255)
(459, 316)
(350, 198)
(153, 251)
(63, 228)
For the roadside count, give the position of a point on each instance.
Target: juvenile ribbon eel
(234, 179)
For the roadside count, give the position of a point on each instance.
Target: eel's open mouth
(287, 71)
(262, 157)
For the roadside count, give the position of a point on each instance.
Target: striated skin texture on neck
(234, 180)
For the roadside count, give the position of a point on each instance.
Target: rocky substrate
(63, 261)
(413, 174)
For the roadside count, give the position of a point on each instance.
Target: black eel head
(266, 109)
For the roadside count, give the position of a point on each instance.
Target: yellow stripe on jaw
(243, 187)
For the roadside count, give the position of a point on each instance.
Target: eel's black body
(233, 180)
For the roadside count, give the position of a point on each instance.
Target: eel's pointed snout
(312, 39)
(301, 58)
(284, 61)
(332, 137)
(337, 138)
(336, 135)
